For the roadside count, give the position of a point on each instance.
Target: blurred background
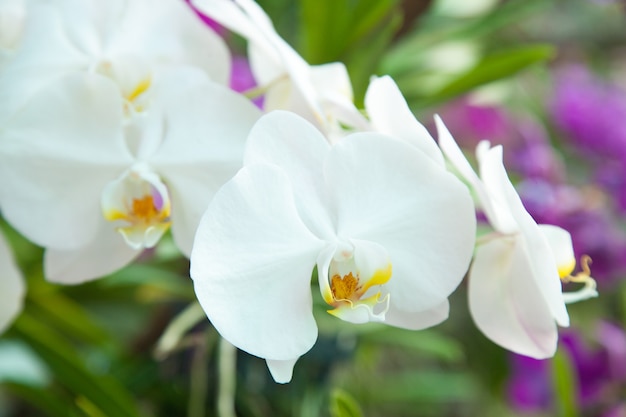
(546, 78)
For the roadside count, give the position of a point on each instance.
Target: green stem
(199, 378)
(175, 331)
(227, 379)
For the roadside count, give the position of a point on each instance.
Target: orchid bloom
(391, 233)
(11, 286)
(95, 191)
(515, 294)
(322, 94)
(126, 41)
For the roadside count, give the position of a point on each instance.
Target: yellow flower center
(344, 288)
(144, 209)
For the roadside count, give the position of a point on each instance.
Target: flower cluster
(118, 123)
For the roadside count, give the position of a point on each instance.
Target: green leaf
(428, 343)
(565, 383)
(64, 314)
(491, 68)
(407, 55)
(103, 391)
(47, 403)
(423, 387)
(343, 404)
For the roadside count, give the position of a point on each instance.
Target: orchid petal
(202, 149)
(54, 171)
(495, 209)
(282, 371)
(560, 242)
(252, 262)
(505, 301)
(12, 286)
(417, 320)
(284, 139)
(45, 53)
(389, 192)
(390, 114)
(168, 32)
(543, 263)
(107, 253)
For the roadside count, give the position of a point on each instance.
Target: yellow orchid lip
(345, 293)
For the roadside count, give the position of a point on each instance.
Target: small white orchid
(12, 287)
(515, 294)
(127, 41)
(391, 233)
(97, 191)
(322, 94)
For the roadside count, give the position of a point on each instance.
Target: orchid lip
(351, 281)
(140, 201)
(583, 277)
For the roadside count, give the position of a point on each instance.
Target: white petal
(284, 139)
(203, 148)
(543, 263)
(107, 253)
(417, 321)
(12, 288)
(496, 210)
(53, 170)
(45, 54)
(391, 193)
(390, 114)
(252, 262)
(506, 302)
(560, 242)
(168, 33)
(281, 371)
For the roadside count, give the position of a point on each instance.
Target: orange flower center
(144, 209)
(344, 288)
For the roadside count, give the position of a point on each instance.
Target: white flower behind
(127, 41)
(391, 233)
(515, 294)
(322, 94)
(96, 191)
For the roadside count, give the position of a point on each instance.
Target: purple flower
(599, 365)
(590, 112)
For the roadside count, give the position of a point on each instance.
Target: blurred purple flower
(529, 387)
(527, 149)
(600, 368)
(591, 112)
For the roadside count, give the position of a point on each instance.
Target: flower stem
(227, 379)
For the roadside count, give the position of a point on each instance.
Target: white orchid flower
(322, 94)
(96, 191)
(515, 294)
(391, 233)
(127, 41)
(12, 288)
